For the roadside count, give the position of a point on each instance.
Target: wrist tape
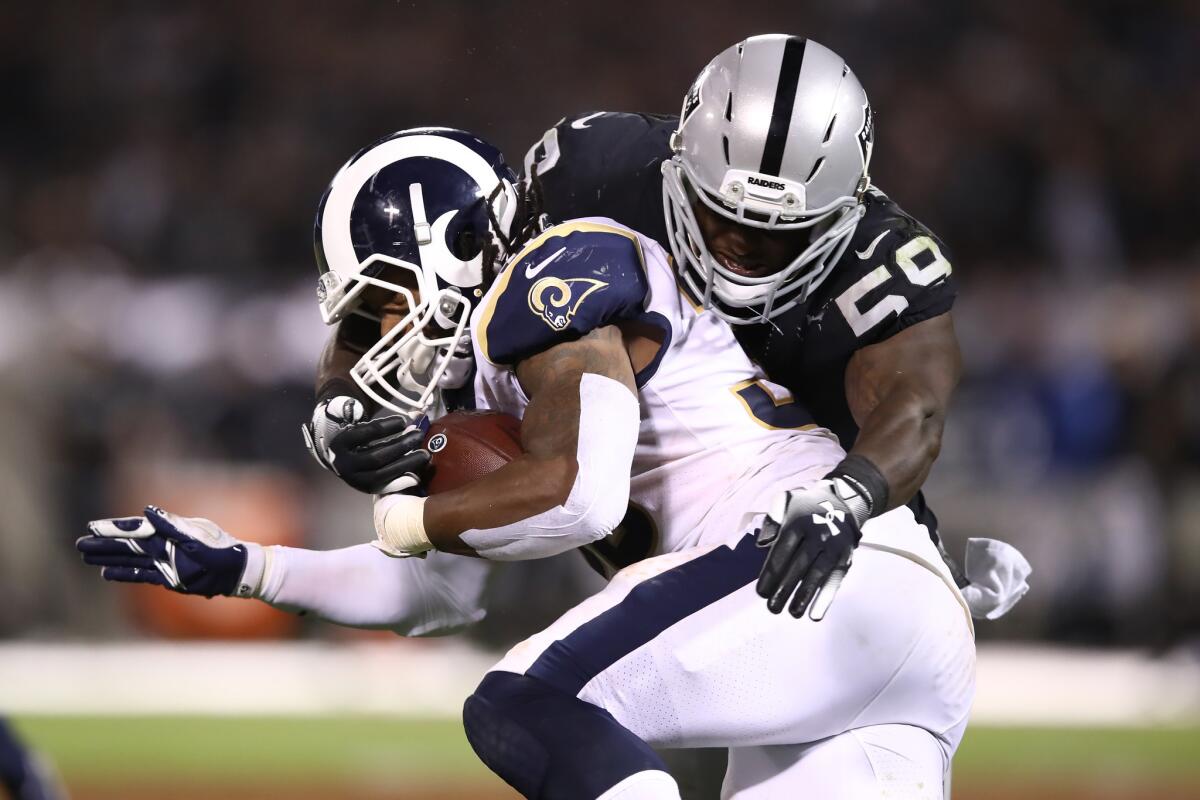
(868, 488)
(400, 525)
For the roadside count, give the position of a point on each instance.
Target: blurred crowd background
(160, 166)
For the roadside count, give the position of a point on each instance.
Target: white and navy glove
(331, 416)
(188, 555)
(812, 534)
(376, 457)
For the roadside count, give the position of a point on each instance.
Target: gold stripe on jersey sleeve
(737, 388)
(564, 229)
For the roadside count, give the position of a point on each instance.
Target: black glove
(381, 455)
(812, 534)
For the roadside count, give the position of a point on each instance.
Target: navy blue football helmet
(413, 213)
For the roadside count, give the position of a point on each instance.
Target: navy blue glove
(812, 534)
(189, 555)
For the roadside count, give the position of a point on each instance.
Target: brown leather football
(466, 445)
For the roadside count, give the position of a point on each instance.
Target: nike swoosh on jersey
(582, 122)
(865, 254)
(531, 272)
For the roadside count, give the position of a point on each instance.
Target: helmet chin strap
(420, 222)
(425, 249)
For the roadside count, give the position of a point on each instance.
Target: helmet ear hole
(466, 245)
(820, 162)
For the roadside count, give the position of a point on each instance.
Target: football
(466, 445)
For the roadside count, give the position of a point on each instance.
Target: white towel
(997, 573)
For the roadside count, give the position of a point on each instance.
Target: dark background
(160, 164)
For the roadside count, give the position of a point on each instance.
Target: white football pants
(682, 651)
(898, 762)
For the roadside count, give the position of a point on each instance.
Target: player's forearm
(902, 437)
(338, 357)
(532, 484)
(361, 587)
(571, 486)
(898, 391)
(541, 505)
(521, 489)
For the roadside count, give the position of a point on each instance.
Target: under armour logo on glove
(831, 518)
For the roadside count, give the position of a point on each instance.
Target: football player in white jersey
(586, 335)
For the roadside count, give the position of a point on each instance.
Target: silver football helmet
(775, 133)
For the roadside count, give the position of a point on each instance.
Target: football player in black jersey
(761, 190)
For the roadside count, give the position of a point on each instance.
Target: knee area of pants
(505, 691)
(499, 738)
(492, 712)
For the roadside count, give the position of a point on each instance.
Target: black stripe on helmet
(785, 100)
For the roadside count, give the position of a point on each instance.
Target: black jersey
(894, 274)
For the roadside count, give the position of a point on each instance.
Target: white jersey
(717, 440)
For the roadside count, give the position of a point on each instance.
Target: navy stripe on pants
(649, 609)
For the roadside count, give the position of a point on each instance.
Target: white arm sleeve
(363, 588)
(609, 421)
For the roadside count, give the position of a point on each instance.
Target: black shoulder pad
(605, 164)
(894, 274)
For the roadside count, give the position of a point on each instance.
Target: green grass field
(337, 748)
(389, 757)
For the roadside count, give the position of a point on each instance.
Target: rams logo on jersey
(556, 300)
